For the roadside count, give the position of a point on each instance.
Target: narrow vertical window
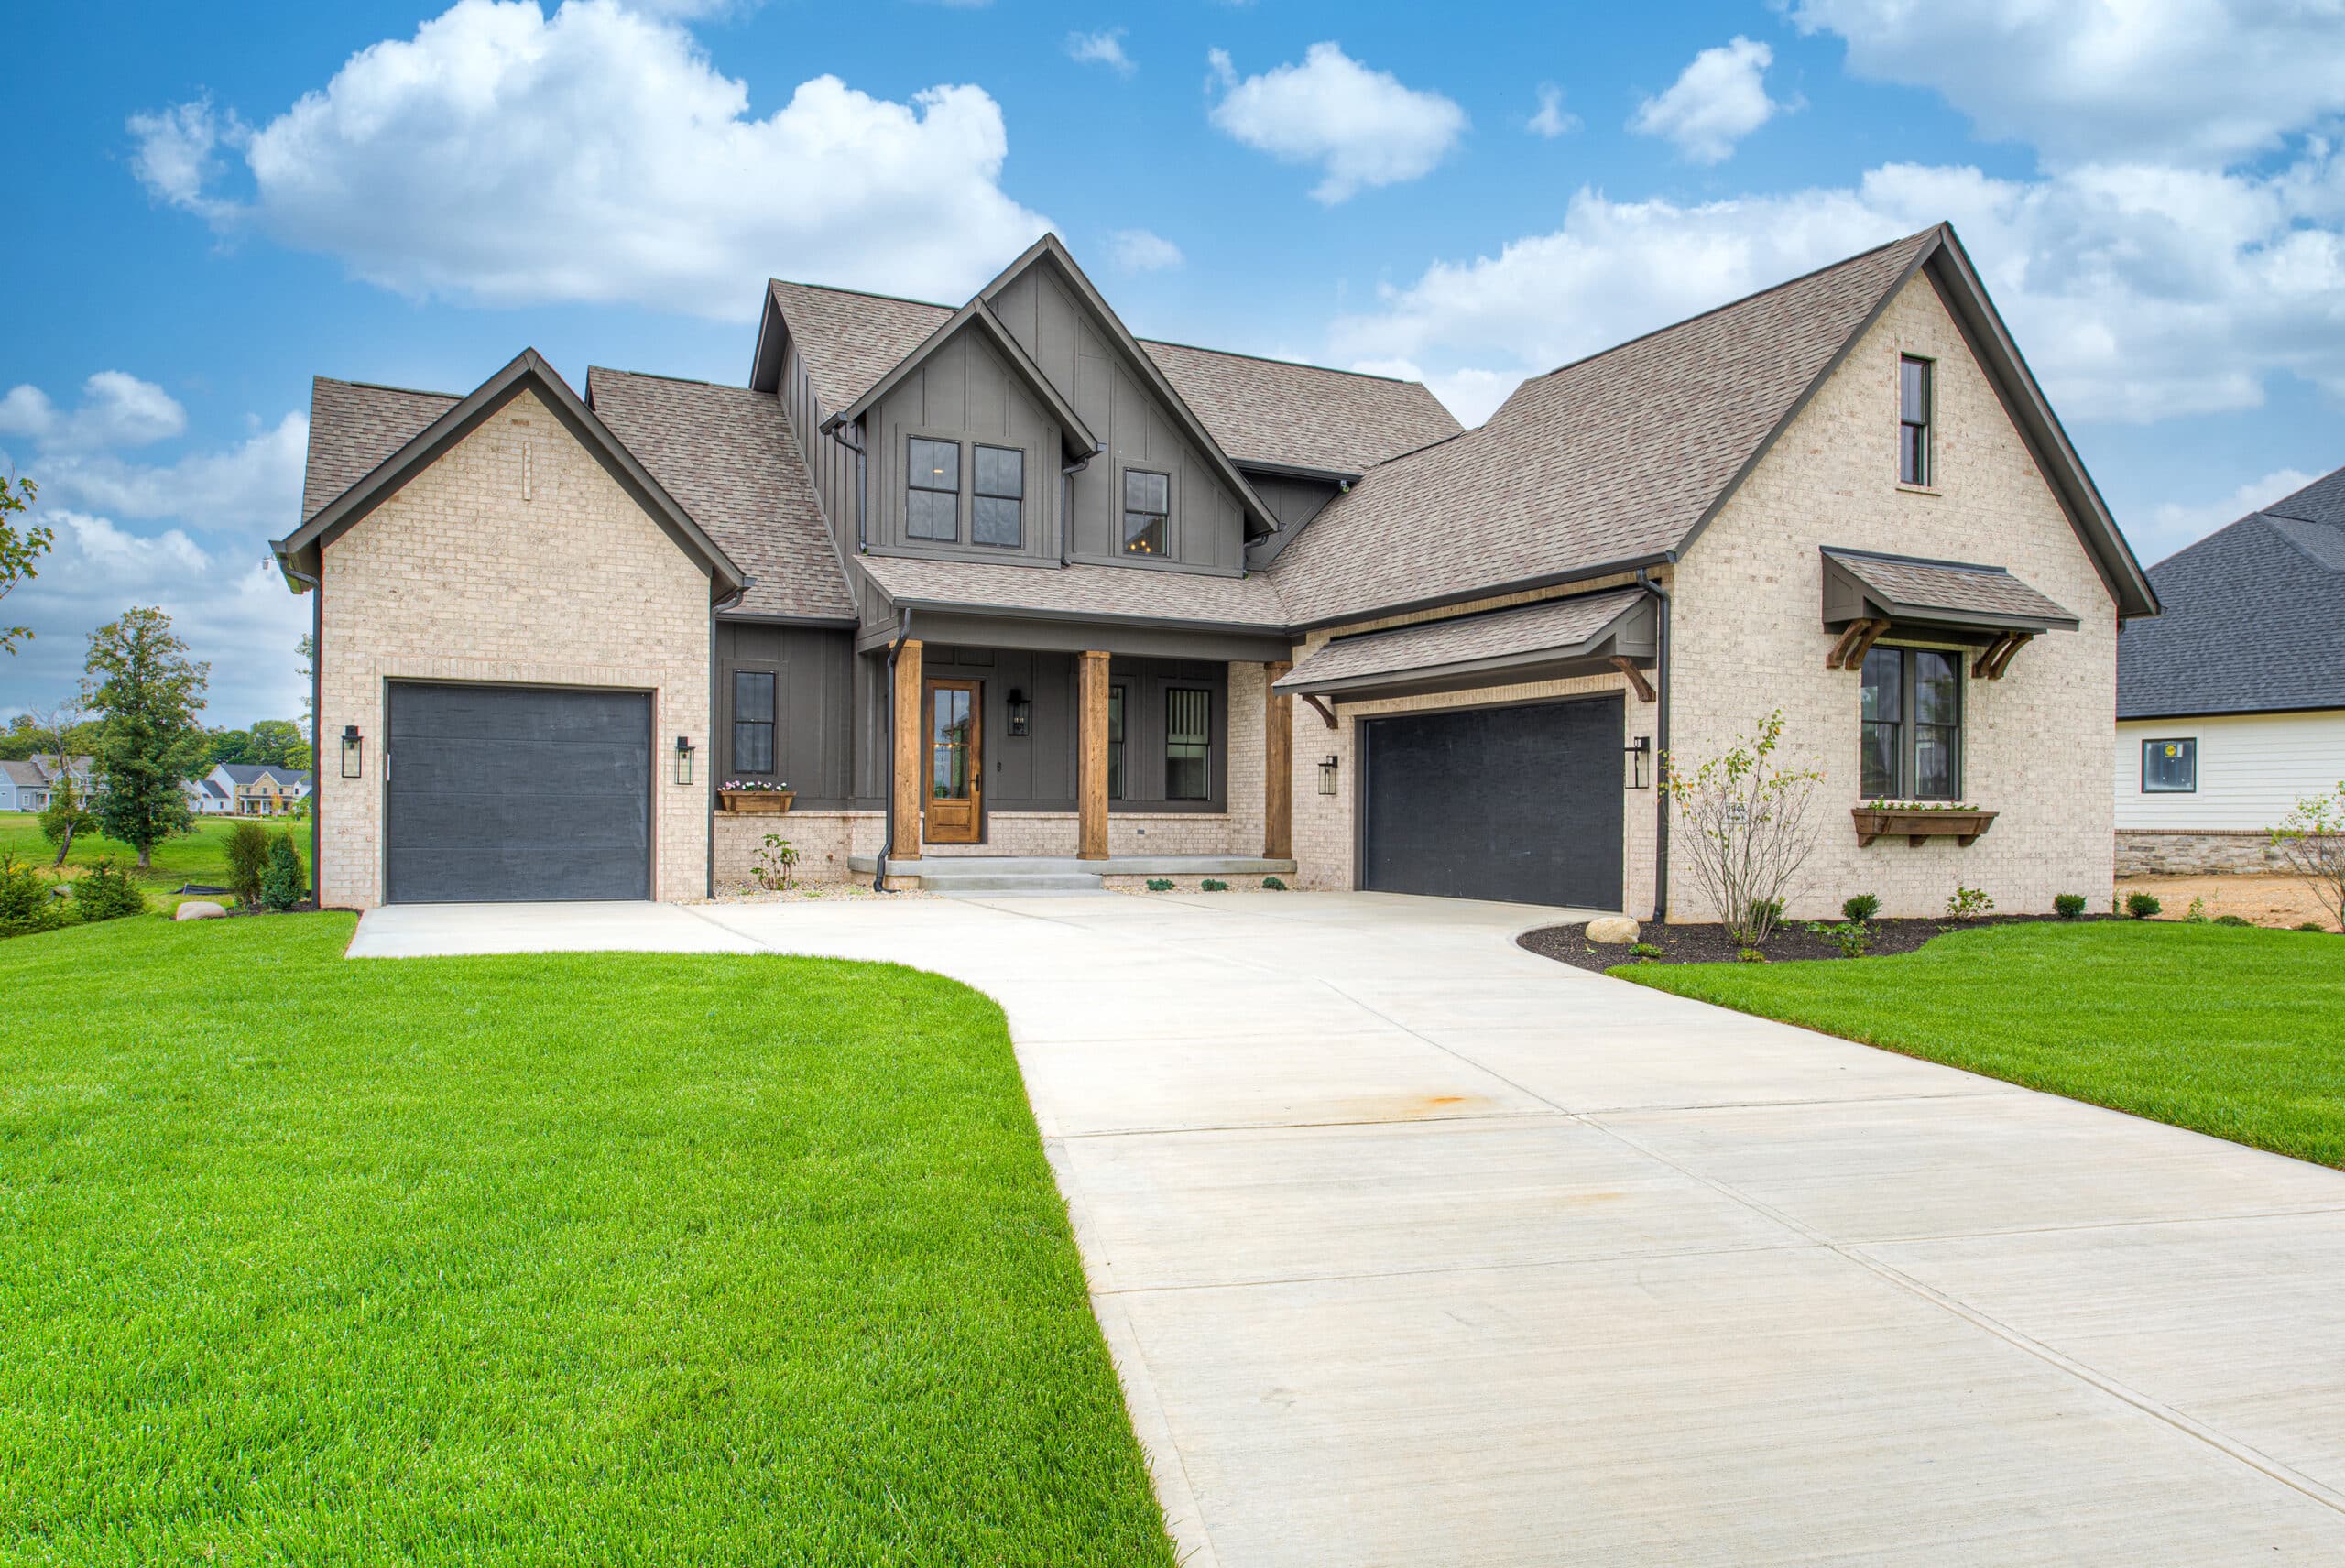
(1188, 744)
(1884, 729)
(996, 517)
(753, 721)
(1115, 743)
(1936, 707)
(933, 507)
(1148, 503)
(1914, 420)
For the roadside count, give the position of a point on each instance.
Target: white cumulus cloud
(1715, 101)
(1363, 128)
(1104, 48)
(117, 410)
(2174, 524)
(1550, 120)
(507, 157)
(1137, 250)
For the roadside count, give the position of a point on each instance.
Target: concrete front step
(989, 882)
(1024, 866)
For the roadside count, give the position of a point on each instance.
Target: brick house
(1002, 593)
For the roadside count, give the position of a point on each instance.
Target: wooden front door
(956, 785)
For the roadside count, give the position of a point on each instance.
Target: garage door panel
(1518, 803)
(501, 793)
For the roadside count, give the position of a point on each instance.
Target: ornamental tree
(2310, 841)
(150, 692)
(1748, 830)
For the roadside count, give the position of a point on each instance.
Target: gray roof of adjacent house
(24, 775)
(726, 454)
(2255, 616)
(253, 772)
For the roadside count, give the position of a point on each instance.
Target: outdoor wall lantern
(1021, 712)
(1327, 774)
(353, 749)
(683, 759)
(1640, 752)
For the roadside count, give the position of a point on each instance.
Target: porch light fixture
(1327, 774)
(1640, 752)
(1021, 712)
(354, 746)
(683, 759)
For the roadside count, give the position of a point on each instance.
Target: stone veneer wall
(1750, 639)
(2171, 852)
(514, 559)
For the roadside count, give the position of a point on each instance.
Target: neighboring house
(249, 789)
(1003, 582)
(2231, 705)
(31, 784)
(207, 797)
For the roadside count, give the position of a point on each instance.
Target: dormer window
(1914, 458)
(1147, 505)
(996, 517)
(933, 507)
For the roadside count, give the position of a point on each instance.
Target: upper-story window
(1914, 457)
(997, 514)
(1913, 725)
(933, 507)
(1147, 505)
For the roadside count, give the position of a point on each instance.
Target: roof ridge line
(860, 293)
(686, 380)
(386, 387)
(1275, 359)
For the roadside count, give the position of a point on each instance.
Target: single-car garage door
(1519, 803)
(500, 794)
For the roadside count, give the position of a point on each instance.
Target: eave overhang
(1075, 437)
(1552, 639)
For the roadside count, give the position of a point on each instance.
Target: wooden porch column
(908, 767)
(1278, 764)
(1091, 756)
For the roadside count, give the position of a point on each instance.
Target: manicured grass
(550, 1260)
(193, 856)
(2234, 1032)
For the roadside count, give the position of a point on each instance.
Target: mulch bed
(1710, 943)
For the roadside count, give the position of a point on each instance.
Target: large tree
(276, 742)
(20, 548)
(150, 692)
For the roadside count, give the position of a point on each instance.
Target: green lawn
(2235, 1032)
(550, 1260)
(189, 857)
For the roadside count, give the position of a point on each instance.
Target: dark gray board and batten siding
(814, 712)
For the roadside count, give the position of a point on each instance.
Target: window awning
(1554, 639)
(1868, 595)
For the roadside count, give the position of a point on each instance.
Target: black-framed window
(1914, 457)
(753, 721)
(1116, 699)
(1147, 507)
(933, 503)
(1188, 744)
(1912, 744)
(2170, 767)
(996, 514)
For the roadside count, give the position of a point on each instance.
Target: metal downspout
(1066, 502)
(316, 720)
(1661, 746)
(887, 843)
(714, 610)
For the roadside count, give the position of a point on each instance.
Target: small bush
(2313, 926)
(1766, 914)
(1852, 937)
(1213, 885)
(2196, 914)
(1860, 908)
(1645, 952)
(2068, 906)
(283, 884)
(2233, 921)
(24, 904)
(246, 848)
(106, 894)
(1968, 903)
(1750, 956)
(2142, 906)
(1159, 884)
(1274, 883)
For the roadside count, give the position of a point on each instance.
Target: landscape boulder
(1612, 931)
(198, 909)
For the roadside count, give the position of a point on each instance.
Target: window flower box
(1920, 820)
(753, 796)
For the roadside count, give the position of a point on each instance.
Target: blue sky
(213, 203)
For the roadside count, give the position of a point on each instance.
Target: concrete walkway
(1415, 1248)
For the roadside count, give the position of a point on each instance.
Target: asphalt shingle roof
(2255, 616)
(252, 772)
(1136, 593)
(1614, 458)
(1950, 586)
(1551, 623)
(353, 427)
(726, 455)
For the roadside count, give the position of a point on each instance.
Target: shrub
(106, 894)
(2313, 926)
(246, 846)
(1861, 908)
(1213, 885)
(2233, 921)
(1750, 956)
(775, 863)
(1851, 937)
(2196, 914)
(283, 884)
(24, 904)
(1274, 883)
(1645, 952)
(2068, 906)
(1765, 915)
(1968, 903)
(1748, 829)
(1159, 884)
(2142, 906)
(2311, 843)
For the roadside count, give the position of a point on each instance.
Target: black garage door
(1520, 804)
(510, 792)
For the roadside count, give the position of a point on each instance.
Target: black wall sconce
(1327, 774)
(683, 759)
(1640, 752)
(1021, 713)
(354, 748)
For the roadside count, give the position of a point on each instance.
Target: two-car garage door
(1516, 804)
(500, 794)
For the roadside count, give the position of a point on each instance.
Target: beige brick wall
(824, 841)
(1749, 633)
(463, 576)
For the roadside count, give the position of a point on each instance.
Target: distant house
(248, 789)
(2231, 705)
(207, 797)
(30, 785)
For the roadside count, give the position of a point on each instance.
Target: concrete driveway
(1415, 1248)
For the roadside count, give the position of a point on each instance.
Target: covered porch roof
(1551, 639)
(1124, 610)
(1867, 596)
